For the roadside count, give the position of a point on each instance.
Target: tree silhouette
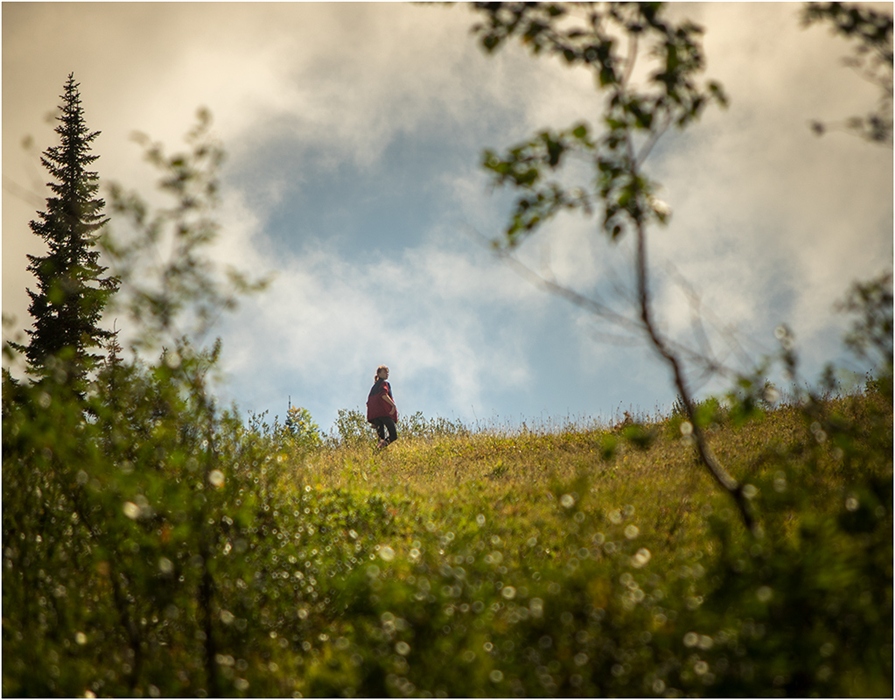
(71, 290)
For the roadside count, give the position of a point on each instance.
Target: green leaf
(528, 178)
(639, 436)
(607, 76)
(554, 151)
(608, 445)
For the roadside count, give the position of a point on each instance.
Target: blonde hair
(378, 370)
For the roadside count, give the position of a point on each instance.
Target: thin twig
(718, 472)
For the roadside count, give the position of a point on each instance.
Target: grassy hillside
(518, 480)
(601, 524)
(574, 563)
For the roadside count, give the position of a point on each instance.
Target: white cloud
(764, 211)
(328, 323)
(769, 223)
(346, 78)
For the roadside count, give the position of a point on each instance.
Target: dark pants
(384, 423)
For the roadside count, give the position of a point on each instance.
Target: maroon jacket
(377, 406)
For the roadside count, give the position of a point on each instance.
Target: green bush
(351, 428)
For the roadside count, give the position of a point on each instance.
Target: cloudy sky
(354, 134)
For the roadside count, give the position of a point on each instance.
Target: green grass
(517, 480)
(590, 510)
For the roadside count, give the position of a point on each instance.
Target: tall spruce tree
(71, 290)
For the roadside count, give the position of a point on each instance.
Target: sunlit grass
(502, 521)
(516, 481)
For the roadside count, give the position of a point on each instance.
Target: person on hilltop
(382, 412)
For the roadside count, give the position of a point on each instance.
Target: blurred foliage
(173, 288)
(870, 31)
(871, 334)
(418, 426)
(301, 428)
(607, 39)
(351, 428)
